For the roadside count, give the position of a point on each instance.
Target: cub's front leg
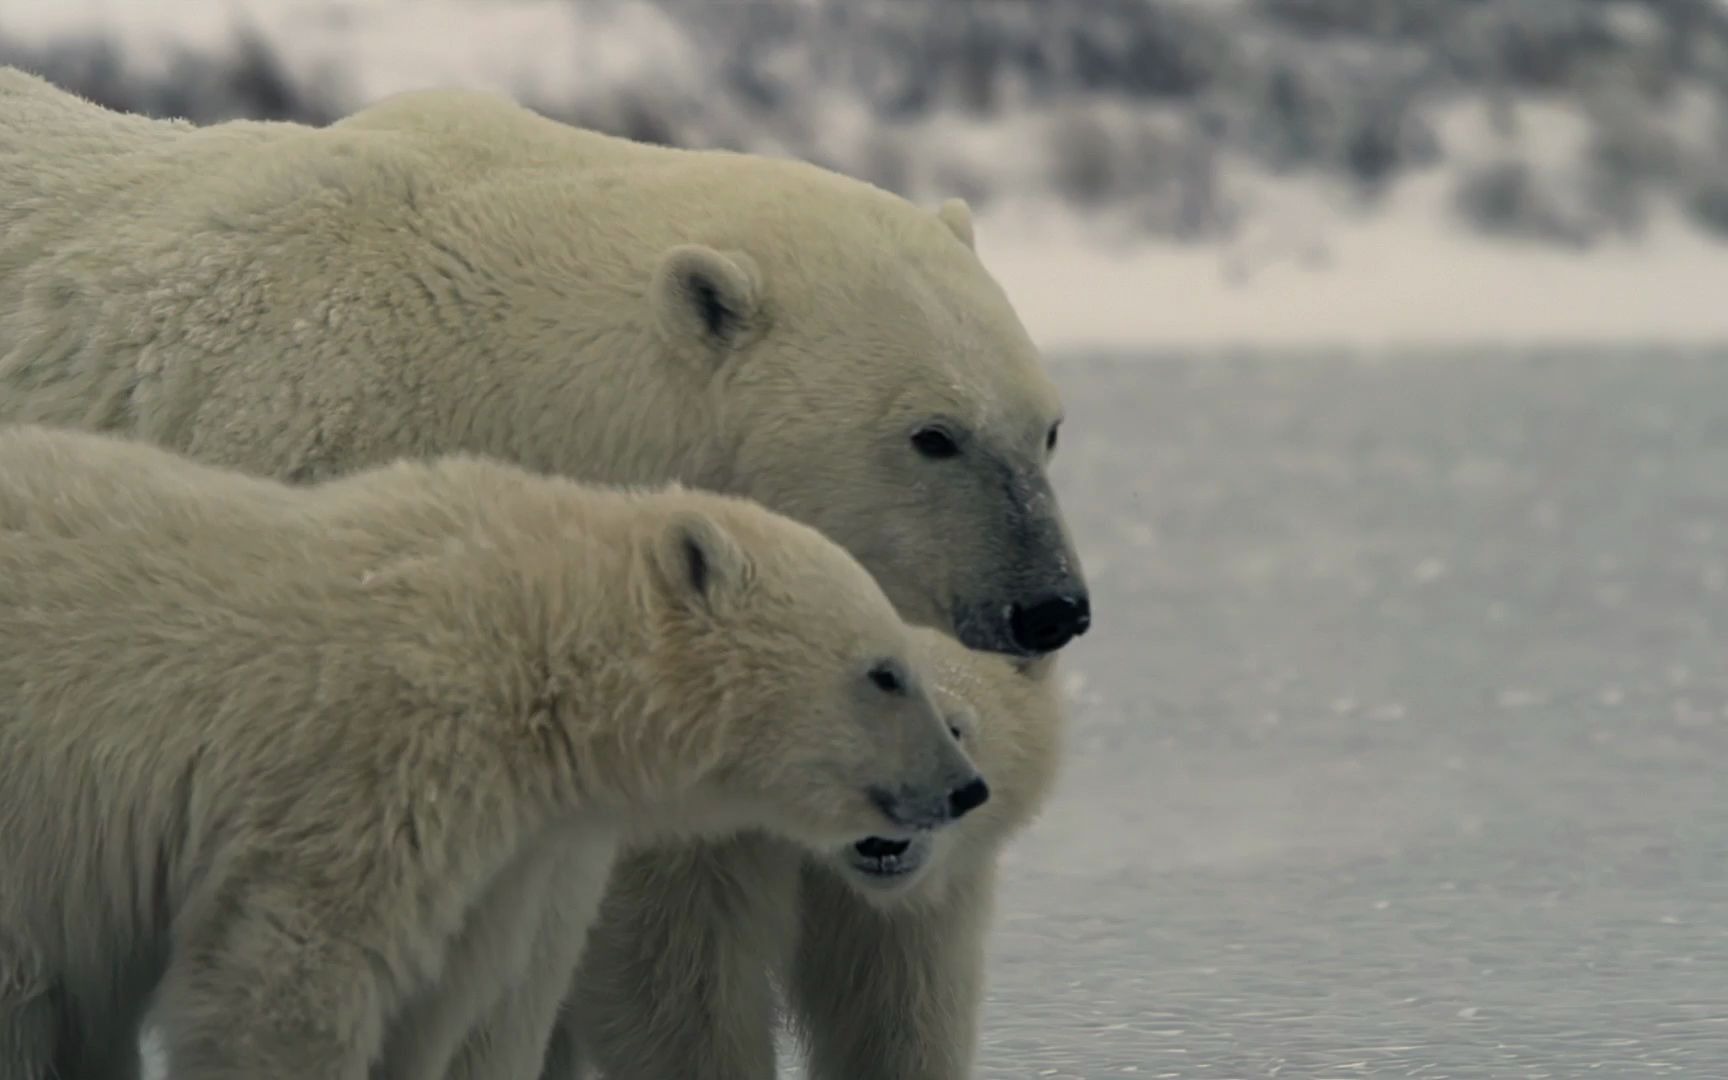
(515, 1039)
(451, 1029)
(677, 979)
(892, 993)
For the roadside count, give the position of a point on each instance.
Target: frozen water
(1398, 745)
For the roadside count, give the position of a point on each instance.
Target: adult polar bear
(446, 271)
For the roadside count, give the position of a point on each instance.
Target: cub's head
(1010, 721)
(803, 689)
(868, 376)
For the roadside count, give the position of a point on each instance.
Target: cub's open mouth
(885, 860)
(878, 848)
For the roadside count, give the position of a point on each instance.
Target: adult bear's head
(865, 374)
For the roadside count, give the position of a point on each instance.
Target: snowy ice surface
(1398, 743)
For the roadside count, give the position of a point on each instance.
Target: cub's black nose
(968, 797)
(1050, 622)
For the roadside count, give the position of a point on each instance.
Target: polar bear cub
(797, 941)
(264, 751)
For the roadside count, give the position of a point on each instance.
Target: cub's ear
(957, 215)
(696, 561)
(707, 297)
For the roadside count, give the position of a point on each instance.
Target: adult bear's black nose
(1050, 622)
(968, 797)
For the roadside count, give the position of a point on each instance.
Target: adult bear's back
(64, 158)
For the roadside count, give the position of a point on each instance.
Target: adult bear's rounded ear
(957, 215)
(697, 562)
(707, 297)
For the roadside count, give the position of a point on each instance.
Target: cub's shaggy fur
(657, 987)
(282, 765)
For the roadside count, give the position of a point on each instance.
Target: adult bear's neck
(556, 358)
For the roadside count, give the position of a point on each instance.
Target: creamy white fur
(446, 271)
(882, 979)
(300, 768)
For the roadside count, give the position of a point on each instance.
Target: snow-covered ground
(1406, 278)
(1308, 269)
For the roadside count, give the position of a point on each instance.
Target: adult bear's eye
(933, 442)
(1050, 439)
(886, 678)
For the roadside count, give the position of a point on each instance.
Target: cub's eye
(1050, 439)
(933, 442)
(887, 679)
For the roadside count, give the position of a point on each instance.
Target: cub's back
(62, 483)
(149, 603)
(149, 526)
(114, 554)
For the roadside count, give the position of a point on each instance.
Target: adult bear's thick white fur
(446, 271)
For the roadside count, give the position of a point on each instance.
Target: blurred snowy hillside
(1213, 170)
